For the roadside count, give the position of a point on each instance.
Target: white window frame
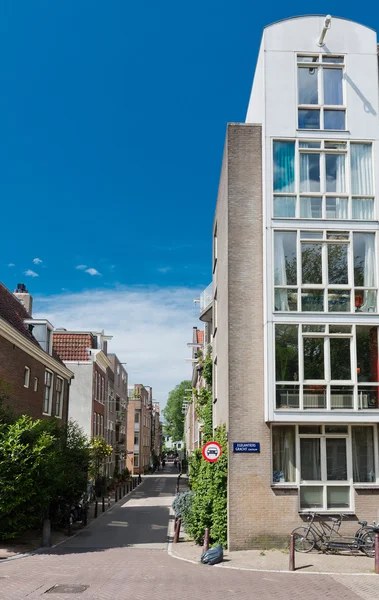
(136, 462)
(324, 483)
(323, 194)
(321, 107)
(59, 395)
(325, 286)
(26, 377)
(327, 382)
(35, 385)
(48, 412)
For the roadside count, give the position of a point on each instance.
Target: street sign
(246, 447)
(211, 451)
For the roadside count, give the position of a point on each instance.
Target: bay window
(323, 179)
(325, 462)
(320, 92)
(325, 271)
(326, 367)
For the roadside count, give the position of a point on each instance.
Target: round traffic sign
(211, 451)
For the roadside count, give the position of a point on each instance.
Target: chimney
(24, 297)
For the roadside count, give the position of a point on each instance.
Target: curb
(171, 552)
(45, 550)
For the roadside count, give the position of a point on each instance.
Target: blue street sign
(246, 447)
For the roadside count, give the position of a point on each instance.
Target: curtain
(363, 454)
(306, 207)
(363, 208)
(280, 274)
(342, 208)
(283, 454)
(340, 174)
(284, 206)
(284, 166)
(310, 459)
(369, 299)
(361, 169)
(309, 172)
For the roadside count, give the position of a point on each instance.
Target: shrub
(182, 506)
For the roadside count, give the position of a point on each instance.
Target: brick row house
(139, 429)
(38, 380)
(98, 399)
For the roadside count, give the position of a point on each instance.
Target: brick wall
(13, 361)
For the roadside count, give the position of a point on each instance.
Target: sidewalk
(277, 560)
(31, 541)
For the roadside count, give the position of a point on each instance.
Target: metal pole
(177, 531)
(206, 540)
(292, 553)
(109, 499)
(377, 553)
(103, 503)
(95, 515)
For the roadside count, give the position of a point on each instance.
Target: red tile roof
(200, 337)
(72, 346)
(12, 311)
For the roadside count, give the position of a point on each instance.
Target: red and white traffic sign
(211, 451)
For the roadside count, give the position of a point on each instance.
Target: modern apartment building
(138, 438)
(295, 277)
(36, 379)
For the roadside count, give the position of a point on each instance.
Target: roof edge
(317, 15)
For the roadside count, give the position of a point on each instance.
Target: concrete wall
(80, 406)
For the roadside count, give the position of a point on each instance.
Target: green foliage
(99, 449)
(41, 463)
(173, 411)
(194, 463)
(182, 506)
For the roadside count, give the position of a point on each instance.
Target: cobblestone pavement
(123, 555)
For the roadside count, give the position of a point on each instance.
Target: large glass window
(329, 180)
(332, 458)
(320, 92)
(337, 271)
(327, 367)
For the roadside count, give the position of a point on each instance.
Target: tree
(42, 464)
(99, 449)
(173, 411)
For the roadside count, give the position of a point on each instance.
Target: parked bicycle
(320, 534)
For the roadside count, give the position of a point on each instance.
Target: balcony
(206, 302)
(120, 415)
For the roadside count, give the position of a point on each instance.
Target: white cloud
(81, 267)
(37, 261)
(150, 328)
(30, 273)
(92, 271)
(11, 265)
(164, 269)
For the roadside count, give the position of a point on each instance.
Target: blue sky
(112, 122)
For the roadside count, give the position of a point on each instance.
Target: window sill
(289, 486)
(365, 486)
(323, 131)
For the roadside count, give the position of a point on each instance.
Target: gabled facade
(39, 381)
(139, 428)
(295, 280)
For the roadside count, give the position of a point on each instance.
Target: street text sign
(246, 447)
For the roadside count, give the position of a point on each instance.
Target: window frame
(36, 384)
(321, 107)
(50, 399)
(59, 395)
(26, 377)
(358, 387)
(324, 482)
(324, 195)
(327, 288)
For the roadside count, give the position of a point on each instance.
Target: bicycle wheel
(367, 543)
(304, 539)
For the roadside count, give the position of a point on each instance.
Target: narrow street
(123, 554)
